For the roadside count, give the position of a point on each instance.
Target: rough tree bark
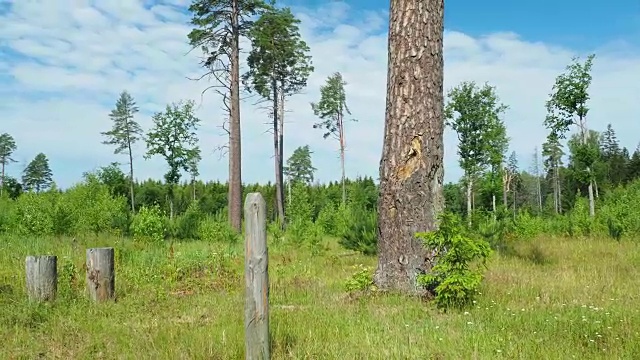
(411, 168)
(277, 147)
(101, 275)
(235, 154)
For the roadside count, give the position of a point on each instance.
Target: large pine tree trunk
(235, 154)
(281, 143)
(276, 148)
(411, 168)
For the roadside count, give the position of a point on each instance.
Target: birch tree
(567, 106)
(473, 112)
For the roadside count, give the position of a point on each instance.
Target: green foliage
(188, 224)
(452, 278)
(7, 147)
(474, 114)
(89, 208)
(149, 225)
(174, 137)
(278, 61)
(569, 97)
(362, 233)
(217, 229)
(361, 280)
(299, 167)
(332, 106)
(35, 214)
(37, 175)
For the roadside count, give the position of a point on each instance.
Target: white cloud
(69, 60)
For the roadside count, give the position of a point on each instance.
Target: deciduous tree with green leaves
(219, 24)
(473, 112)
(37, 175)
(567, 106)
(124, 133)
(7, 148)
(331, 109)
(174, 137)
(278, 68)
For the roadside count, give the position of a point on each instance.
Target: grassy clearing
(548, 299)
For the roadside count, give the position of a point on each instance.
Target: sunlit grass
(547, 299)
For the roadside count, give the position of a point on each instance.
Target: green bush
(188, 224)
(362, 234)
(34, 214)
(149, 224)
(452, 278)
(217, 229)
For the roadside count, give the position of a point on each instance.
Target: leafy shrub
(452, 279)
(7, 215)
(362, 234)
(89, 208)
(361, 280)
(217, 229)
(149, 224)
(275, 231)
(188, 224)
(34, 214)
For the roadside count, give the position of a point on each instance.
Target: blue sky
(63, 64)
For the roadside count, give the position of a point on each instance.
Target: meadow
(542, 298)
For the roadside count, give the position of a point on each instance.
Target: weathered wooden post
(42, 277)
(256, 310)
(101, 274)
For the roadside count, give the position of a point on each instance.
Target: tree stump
(101, 274)
(42, 277)
(256, 310)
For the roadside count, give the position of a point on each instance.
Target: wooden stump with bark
(101, 274)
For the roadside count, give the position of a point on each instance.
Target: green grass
(547, 299)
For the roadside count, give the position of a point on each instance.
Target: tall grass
(545, 299)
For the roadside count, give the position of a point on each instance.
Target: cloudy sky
(63, 64)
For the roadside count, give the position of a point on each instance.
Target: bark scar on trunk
(412, 161)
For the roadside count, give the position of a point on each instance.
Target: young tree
(125, 132)
(194, 171)
(299, 167)
(37, 175)
(411, 167)
(473, 112)
(613, 157)
(174, 138)
(497, 145)
(7, 147)
(512, 168)
(552, 153)
(278, 68)
(331, 109)
(567, 106)
(535, 169)
(219, 24)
